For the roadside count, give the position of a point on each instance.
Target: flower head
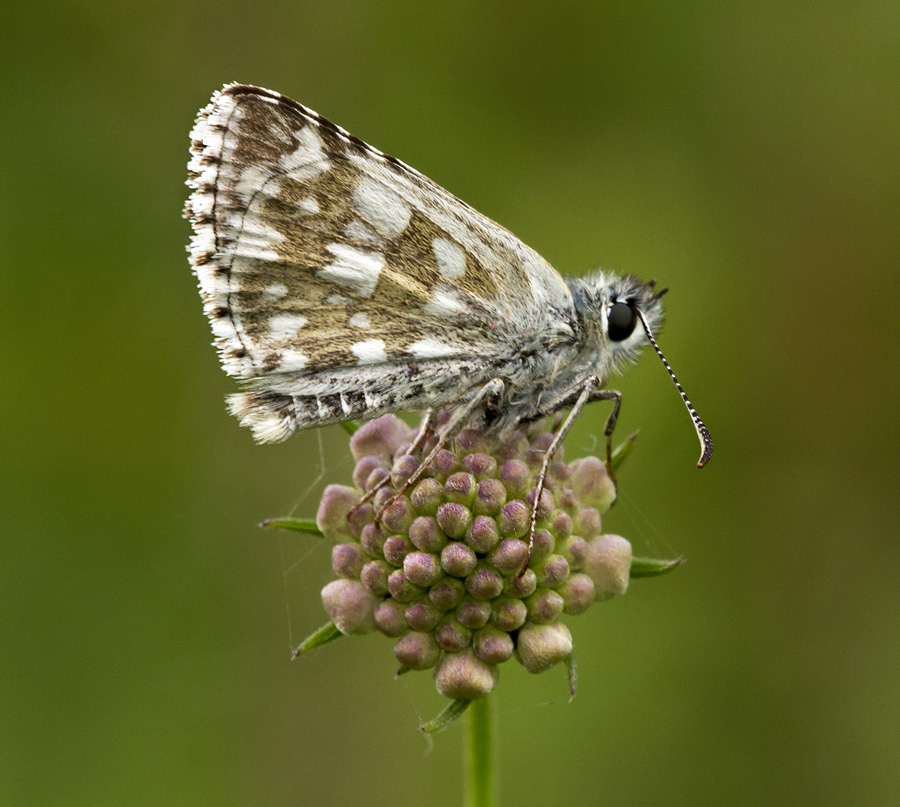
(442, 571)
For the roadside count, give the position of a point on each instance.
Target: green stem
(481, 789)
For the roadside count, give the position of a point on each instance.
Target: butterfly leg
(460, 418)
(588, 393)
(421, 437)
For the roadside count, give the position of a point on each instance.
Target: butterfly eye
(620, 321)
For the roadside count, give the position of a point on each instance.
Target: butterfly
(342, 284)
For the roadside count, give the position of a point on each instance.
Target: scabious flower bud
(607, 563)
(422, 568)
(347, 560)
(426, 535)
(417, 651)
(350, 605)
(426, 497)
(447, 569)
(493, 645)
(542, 646)
(390, 617)
(592, 484)
(464, 676)
(337, 500)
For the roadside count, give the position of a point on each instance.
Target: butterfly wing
(340, 282)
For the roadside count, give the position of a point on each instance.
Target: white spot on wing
(275, 291)
(431, 348)
(445, 303)
(308, 159)
(369, 352)
(285, 326)
(382, 208)
(451, 259)
(309, 205)
(337, 299)
(353, 268)
(292, 361)
(361, 232)
(359, 321)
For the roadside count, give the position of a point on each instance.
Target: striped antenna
(706, 443)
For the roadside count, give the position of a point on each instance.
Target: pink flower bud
(608, 563)
(382, 437)
(350, 605)
(463, 676)
(592, 484)
(332, 516)
(539, 647)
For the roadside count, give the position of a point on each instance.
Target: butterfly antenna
(706, 443)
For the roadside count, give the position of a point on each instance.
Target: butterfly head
(611, 309)
(619, 316)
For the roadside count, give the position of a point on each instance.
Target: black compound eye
(620, 321)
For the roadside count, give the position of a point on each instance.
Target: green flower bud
(516, 478)
(458, 559)
(442, 570)
(562, 525)
(398, 515)
(372, 539)
(426, 535)
(543, 546)
(364, 469)
(514, 520)
(574, 550)
(445, 463)
(460, 488)
(490, 497)
(483, 535)
(427, 496)
(520, 585)
(509, 556)
(404, 467)
(454, 519)
(480, 465)
(588, 524)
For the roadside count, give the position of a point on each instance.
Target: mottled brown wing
(317, 252)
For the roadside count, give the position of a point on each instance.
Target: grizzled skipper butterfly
(341, 284)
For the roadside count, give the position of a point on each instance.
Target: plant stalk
(480, 784)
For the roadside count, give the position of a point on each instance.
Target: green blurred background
(745, 154)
